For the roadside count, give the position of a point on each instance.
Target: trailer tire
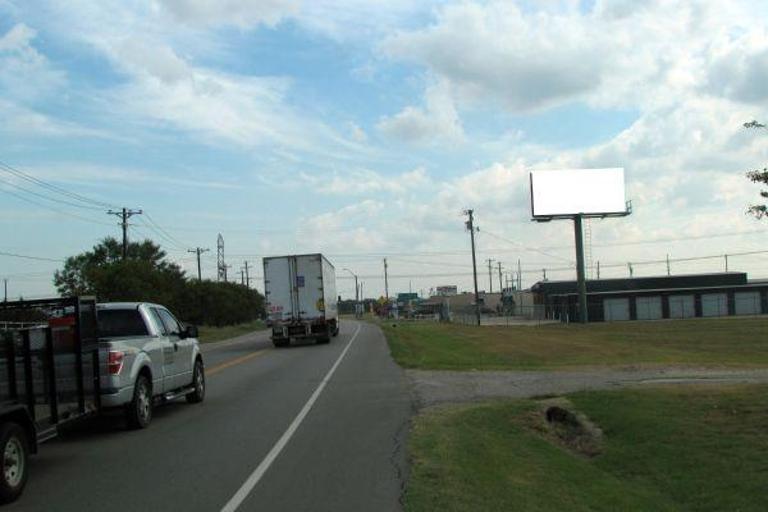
(336, 329)
(281, 342)
(198, 383)
(138, 413)
(15, 449)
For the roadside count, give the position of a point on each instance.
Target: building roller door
(681, 306)
(648, 308)
(714, 304)
(616, 309)
(747, 303)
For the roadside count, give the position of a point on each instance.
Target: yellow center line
(232, 362)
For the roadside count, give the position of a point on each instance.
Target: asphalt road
(312, 427)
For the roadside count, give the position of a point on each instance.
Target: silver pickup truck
(147, 357)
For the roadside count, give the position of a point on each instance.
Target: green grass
(210, 334)
(704, 342)
(682, 448)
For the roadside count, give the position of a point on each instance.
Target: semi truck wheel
(198, 382)
(138, 413)
(281, 342)
(15, 450)
(325, 338)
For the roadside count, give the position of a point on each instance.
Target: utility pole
(544, 274)
(221, 266)
(501, 288)
(598, 269)
(242, 277)
(386, 281)
(631, 270)
(5, 285)
(198, 251)
(124, 215)
(471, 227)
(247, 279)
(490, 275)
(668, 273)
(726, 263)
(519, 275)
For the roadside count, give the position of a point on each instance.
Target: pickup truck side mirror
(190, 331)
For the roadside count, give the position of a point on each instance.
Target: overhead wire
(51, 187)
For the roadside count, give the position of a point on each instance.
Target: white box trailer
(301, 299)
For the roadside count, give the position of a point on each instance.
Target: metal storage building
(657, 297)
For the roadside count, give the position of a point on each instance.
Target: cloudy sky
(362, 129)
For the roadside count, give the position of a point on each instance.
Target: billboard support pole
(580, 273)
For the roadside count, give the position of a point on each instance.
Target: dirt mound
(560, 422)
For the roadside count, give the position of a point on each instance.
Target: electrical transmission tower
(221, 266)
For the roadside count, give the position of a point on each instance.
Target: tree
(143, 275)
(146, 276)
(758, 176)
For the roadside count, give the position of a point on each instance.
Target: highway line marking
(262, 468)
(232, 362)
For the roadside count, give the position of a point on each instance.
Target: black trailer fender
(19, 414)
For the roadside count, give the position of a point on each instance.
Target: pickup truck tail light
(115, 362)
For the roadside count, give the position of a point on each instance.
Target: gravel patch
(438, 387)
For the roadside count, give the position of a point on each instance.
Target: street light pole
(357, 290)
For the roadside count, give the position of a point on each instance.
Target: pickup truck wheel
(198, 383)
(138, 413)
(15, 450)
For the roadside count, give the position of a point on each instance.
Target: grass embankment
(681, 448)
(210, 334)
(705, 342)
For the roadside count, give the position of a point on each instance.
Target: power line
(53, 188)
(27, 257)
(525, 247)
(49, 198)
(56, 210)
(169, 237)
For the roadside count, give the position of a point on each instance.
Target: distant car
(148, 357)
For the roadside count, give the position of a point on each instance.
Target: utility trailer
(301, 301)
(49, 376)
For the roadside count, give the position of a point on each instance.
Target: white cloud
(24, 72)
(19, 120)
(366, 181)
(356, 132)
(619, 54)
(437, 122)
(241, 13)
(739, 68)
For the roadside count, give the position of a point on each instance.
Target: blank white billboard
(575, 191)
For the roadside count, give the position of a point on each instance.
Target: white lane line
(262, 468)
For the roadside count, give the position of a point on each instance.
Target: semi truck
(301, 299)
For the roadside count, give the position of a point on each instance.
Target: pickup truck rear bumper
(116, 397)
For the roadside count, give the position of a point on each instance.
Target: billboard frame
(579, 241)
(561, 216)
